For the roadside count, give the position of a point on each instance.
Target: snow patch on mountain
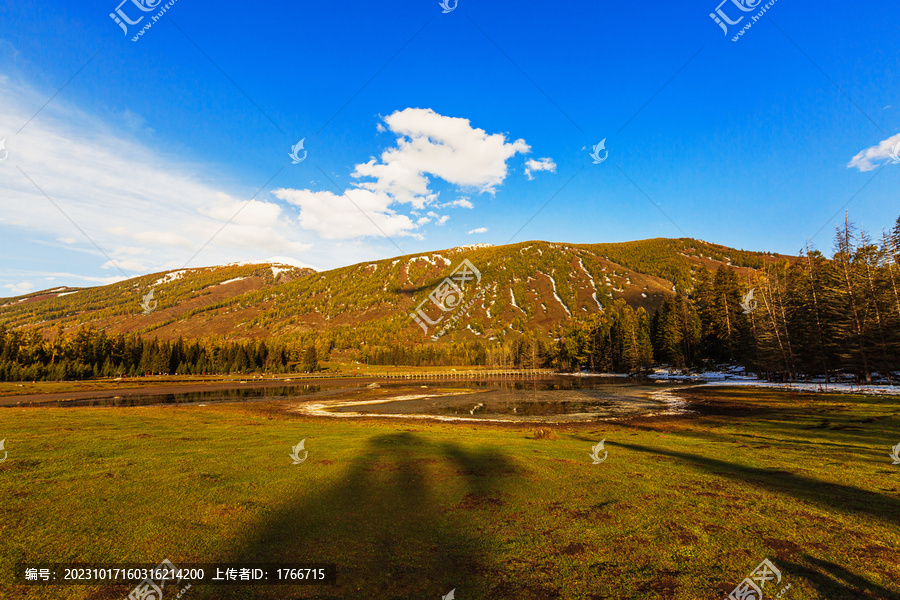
(169, 277)
(593, 284)
(555, 295)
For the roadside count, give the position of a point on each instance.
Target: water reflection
(560, 397)
(241, 394)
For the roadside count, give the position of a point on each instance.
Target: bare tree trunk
(770, 310)
(727, 315)
(787, 333)
(753, 327)
(844, 253)
(874, 297)
(812, 285)
(890, 247)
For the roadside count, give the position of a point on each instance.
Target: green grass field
(683, 507)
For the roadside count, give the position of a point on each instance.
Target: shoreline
(683, 381)
(810, 387)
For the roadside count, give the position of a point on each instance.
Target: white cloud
(428, 144)
(151, 210)
(441, 219)
(460, 203)
(479, 230)
(446, 147)
(865, 160)
(20, 288)
(542, 164)
(147, 210)
(336, 217)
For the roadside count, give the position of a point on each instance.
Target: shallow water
(548, 399)
(556, 399)
(242, 393)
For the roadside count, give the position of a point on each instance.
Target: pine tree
(310, 361)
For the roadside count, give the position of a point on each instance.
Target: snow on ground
(842, 388)
(736, 377)
(169, 277)
(244, 263)
(555, 295)
(593, 285)
(513, 296)
(66, 294)
(669, 375)
(430, 259)
(233, 280)
(276, 269)
(493, 301)
(280, 261)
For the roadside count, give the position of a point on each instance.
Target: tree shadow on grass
(837, 583)
(837, 496)
(392, 525)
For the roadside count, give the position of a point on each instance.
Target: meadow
(684, 506)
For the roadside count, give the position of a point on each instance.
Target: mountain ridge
(528, 286)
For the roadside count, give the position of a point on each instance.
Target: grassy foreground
(684, 507)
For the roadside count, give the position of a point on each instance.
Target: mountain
(530, 286)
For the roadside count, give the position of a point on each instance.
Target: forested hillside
(609, 307)
(811, 316)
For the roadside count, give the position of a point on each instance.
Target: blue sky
(144, 152)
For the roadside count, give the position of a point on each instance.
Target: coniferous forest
(808, 316)
(811, 316)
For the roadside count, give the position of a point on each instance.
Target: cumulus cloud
(441, 219)
(428, 145)
(866, 160)
(149, 210)
(543, 164)
(357, 213)
(460, 203)
(479, 230)
(445, 147)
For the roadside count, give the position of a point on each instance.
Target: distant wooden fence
(462, 374)
(511, 373)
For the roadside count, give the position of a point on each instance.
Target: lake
(544, 399)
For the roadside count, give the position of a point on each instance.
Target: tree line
(809, 316)
(92, 353)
